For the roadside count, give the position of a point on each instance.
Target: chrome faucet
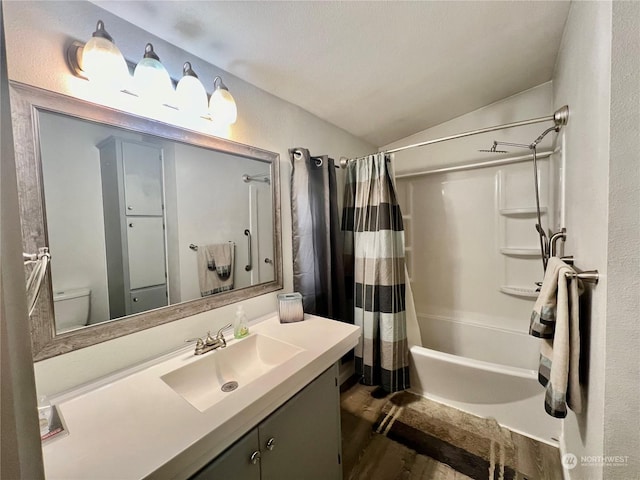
(211, 343)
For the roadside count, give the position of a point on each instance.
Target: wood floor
(368, 455)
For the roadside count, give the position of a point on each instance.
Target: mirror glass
(137, 222)
(146, 222)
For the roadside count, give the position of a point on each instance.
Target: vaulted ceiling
(380, 70)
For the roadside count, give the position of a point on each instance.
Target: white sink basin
(201, 382)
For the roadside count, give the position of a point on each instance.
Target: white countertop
(133, 425)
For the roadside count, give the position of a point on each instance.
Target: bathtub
(485, 371)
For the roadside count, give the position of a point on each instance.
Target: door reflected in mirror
(136, 222)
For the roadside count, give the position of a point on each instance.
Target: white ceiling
(380, 70)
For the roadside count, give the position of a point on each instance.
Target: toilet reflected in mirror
(71, 308)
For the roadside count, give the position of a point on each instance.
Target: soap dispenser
(240, 327)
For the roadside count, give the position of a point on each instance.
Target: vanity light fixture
(99, 60)
(102, 63)
(191, 97)
(222, 106)
(151, 80)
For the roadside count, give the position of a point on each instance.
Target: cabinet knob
(131, 224)
(271, 443)
(255, 457)
(129, 207)
(135, 299)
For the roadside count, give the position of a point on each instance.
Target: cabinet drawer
(148, 298)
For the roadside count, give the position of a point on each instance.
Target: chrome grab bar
(249, 266)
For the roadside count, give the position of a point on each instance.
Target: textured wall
(622, 385)
(582, 80)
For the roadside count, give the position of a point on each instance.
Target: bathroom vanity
(172, 418)
(299, 440)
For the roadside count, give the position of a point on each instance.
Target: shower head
(493, 149)
(555, 128)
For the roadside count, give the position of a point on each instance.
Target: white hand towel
(556, 320)
(215, 268)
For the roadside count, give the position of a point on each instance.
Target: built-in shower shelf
(521, 212)
(519, 291)
(520, 252)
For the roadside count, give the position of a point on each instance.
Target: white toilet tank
(71, 308)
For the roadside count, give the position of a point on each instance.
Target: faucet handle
(219, 334)
(199, 346)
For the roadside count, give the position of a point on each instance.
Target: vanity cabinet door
(237, 462)
(301, 440)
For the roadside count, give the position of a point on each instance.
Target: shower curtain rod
(559, 117)
(471, 166)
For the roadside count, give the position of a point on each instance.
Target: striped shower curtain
(374, 267)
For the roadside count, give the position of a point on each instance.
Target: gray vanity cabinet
(240, 462)
(300, 440)
(132, 199)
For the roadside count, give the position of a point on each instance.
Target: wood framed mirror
(146, 223)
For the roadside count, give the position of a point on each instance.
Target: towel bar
(592, 276)
(194, 247)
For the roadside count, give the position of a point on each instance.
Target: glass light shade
(191, 97)
(103, 64)
(222, 107)
(151, 80)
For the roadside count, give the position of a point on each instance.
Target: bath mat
(476, 447)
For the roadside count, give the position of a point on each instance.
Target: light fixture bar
(224, 108)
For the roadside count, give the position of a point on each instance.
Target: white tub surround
(134, 425)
